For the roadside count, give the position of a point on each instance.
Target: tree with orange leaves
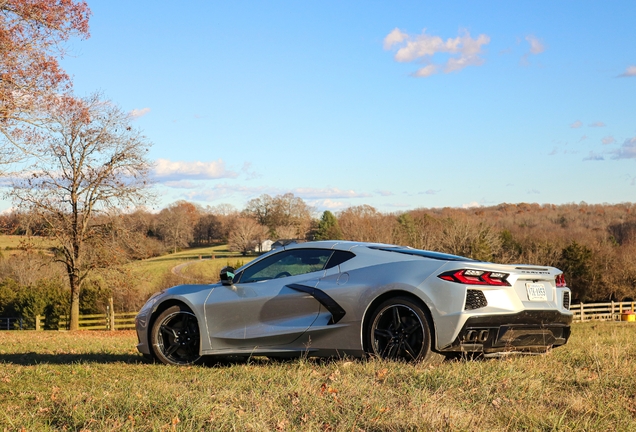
(32, 38)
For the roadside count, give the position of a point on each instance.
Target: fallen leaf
(381, 374)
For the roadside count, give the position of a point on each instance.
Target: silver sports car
(350, 298)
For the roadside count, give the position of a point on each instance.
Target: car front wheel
(175, 337)
(398, 330)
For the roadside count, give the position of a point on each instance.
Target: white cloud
(328, 204)
(533, 192)
(395, 37)
(224, 191)
(426, 71)
(464, 50)
(136, 113)
(430, 192)
(536, 46)
(608, 140)
(583, 138)
(166, 170)
(594, 157)
(629, 72)
(313, 193)
(554, 151)
(384, 192)
(627, 150)
(455, 64)
(249, 172)
(577, 124)
(181, 184)
(597, 124)
(471, 205)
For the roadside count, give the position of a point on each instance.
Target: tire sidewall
(154, 336)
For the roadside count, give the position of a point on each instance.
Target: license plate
(536, 292)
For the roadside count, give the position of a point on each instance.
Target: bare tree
(281, 211)
(365, 223)
(287, 232)
(246, 234)
(90, 160)
(176, 224)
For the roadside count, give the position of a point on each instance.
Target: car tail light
(475, 277)
(560, 280)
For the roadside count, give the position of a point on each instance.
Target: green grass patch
(193, 265)
(16, 244)
(96, 381)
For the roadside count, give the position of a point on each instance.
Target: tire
(398, 329)
(175, 338)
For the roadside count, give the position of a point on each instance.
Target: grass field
(14, 244)
(95, 381)
(203, 265)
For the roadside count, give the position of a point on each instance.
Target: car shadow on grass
(34, 358)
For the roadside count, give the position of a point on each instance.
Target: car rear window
(423, 253)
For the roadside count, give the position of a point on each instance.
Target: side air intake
(475, 299)
(566, 300)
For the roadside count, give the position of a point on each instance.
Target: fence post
(38, 323)
(612, 315)
(111, 314)
(581, 306)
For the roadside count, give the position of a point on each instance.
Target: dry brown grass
(95, 381)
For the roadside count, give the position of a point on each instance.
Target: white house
(266, 246)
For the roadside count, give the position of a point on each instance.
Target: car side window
(287, 263)
(338, 258)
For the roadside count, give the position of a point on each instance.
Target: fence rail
(611, 311)
(107, 321)
(11, 323)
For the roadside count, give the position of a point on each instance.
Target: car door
(260, 309)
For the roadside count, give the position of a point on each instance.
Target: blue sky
(399, 105)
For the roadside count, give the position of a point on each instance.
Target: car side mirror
(227, 276)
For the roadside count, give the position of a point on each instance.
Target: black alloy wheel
(175, 337)
(398, 330)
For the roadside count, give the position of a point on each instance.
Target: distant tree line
(595, 245)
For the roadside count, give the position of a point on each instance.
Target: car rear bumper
(527, 331)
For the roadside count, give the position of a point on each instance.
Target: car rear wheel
(398, 330)
(175, 337)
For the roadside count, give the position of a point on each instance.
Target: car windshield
(423, 253)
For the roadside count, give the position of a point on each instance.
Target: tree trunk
(75, 301)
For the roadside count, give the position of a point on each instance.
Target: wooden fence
(611, 311)
(117, 321)
(108, 321)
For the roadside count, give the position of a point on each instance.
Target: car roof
(335, 244)
(349, 245)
